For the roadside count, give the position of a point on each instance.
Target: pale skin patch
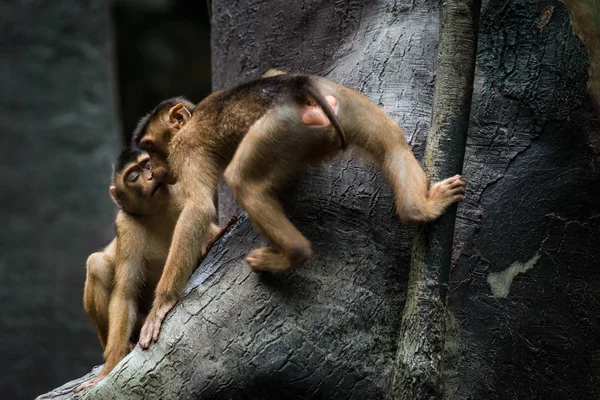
(500, 281)
(313, 115)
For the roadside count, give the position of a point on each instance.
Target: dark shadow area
(162, 50)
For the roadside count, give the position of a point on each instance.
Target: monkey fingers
(151, 328)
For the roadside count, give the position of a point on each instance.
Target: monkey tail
(313, 92)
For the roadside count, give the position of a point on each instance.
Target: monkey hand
(90, 383)
(151, 328)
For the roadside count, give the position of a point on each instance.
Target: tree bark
(525, 283)
(423, 330)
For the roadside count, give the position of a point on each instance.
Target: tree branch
(422, 335)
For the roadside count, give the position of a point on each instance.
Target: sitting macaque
(121, 279)
(259, 135)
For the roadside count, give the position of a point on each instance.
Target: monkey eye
(146, 164)
(132, 177)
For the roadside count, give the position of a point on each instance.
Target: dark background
(75, 78)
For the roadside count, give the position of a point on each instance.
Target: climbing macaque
(121, 279)
(259, 135)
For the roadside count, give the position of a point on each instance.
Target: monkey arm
(122, 315)
(191, 229)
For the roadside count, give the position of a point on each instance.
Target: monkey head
(134, 188)
(155, 131)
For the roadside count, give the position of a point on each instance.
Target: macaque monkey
(259, 135)
(121, 279)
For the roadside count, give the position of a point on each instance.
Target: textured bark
(532, 207)
(423, 330)
(524, 286)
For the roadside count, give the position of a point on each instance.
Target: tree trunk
(423, 330)
(328, 329)
(524, 284)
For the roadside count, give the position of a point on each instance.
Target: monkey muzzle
(158, 185)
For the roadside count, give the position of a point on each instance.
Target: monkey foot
(89, 383)
(448, 191)
(266, 259)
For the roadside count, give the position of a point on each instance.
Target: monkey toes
(448, 191)
(267, 259)
(89, 383)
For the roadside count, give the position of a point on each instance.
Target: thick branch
(421, 341)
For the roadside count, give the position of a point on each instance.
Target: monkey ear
(113, 194)
(179, 116)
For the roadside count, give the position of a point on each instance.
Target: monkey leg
(97, 291)
(272, 151)
(370, 130)
(265, 212)
(415, 203)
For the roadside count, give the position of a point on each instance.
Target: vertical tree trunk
(422, 334)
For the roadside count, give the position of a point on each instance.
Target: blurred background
(75, 77)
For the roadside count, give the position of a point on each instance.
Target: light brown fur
(254, 135)
(121, 279)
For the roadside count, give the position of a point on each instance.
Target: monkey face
(158, 160)
(139, 178)
(137, 190)
(157, 137)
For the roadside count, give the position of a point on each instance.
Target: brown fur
(254, 135)
(121, 279)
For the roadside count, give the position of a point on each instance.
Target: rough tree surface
(57, 140)
(524, 287)
(422, 338)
